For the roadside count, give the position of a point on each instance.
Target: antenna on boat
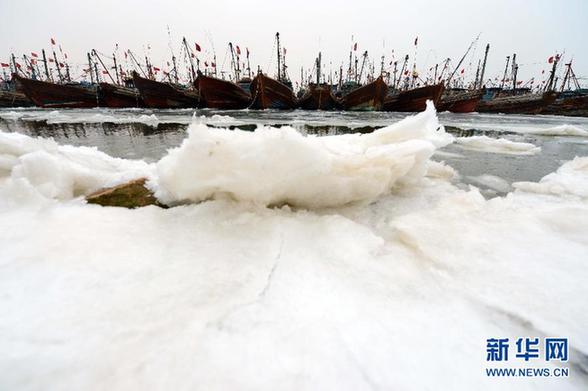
(116, 69)
(318, 69)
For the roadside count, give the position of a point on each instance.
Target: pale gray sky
(533, 29)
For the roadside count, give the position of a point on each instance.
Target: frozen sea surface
(371, 266)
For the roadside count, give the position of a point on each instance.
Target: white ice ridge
(500, 145)
(571, 179)
(40, 167)
(274, 166)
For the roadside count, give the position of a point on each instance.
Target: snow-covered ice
(381, 274)
(500, 145)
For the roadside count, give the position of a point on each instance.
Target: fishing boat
(369, 97)
(573, 100)
(509, 103)
(268, 93)
(319, 97)
(162, 95)
(413, 100)
(14, 99)
(116, 96)
(221, 94)
(53, 95)
(460, 101)
(569, 103)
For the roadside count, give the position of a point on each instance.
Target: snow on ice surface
(492, 145)
(401, 293)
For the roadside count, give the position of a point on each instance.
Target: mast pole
(365, 54)
(505, 70)
(401, 71)
(90, 68)
(14, 64)
(279, 57)
(552, 76)
(45, 64)
(57, 66)
(116, 70)
(233, 60)
(318, 69)
(484, 66)
(514, 71)
(95, 54)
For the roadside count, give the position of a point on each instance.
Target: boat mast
(318, 69)
(235, 71)
(401, 72)
(463, 58)
(248, 65)
(57, 66)
(552, 75)
(484, 66)
(505, 70)
(477, 74)
(116, 69)
(365, 54)
(189, 54)
(45, 64)
(279, 57)
(89, 68)
(515, 68)
(95, 54)
(136, 62)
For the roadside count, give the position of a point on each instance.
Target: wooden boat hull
(14, 99)
(414, 100)
(576, 106)
(221, 94)
(319, 98)
(51, 95)
(163, 95)
(460, 102)
(119, 97)
(369, 97)
(518, 104)
(268, 93)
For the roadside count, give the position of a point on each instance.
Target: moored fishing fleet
(47, 82)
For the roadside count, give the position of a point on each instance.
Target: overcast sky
(533, 29)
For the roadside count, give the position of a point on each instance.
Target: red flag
(34, 54)
(193, 55)
(125, 55)
(156, 69)
(33, 61)
(65, 55)
(4, 65)
(105, 72)
(213, 64)
(198, 48)
(550, 60)
(238, 50)
(61, 64)
(462, 71)
(17, 65)
(51, 60)
(405, 73)
(52, 41)
(543, 71)
(416, 40)
(205, 64)
(519, 82)
(355, 46)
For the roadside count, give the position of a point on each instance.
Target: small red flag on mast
(34, 54)
(416, 40)
(52, 41)
(198, 48)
